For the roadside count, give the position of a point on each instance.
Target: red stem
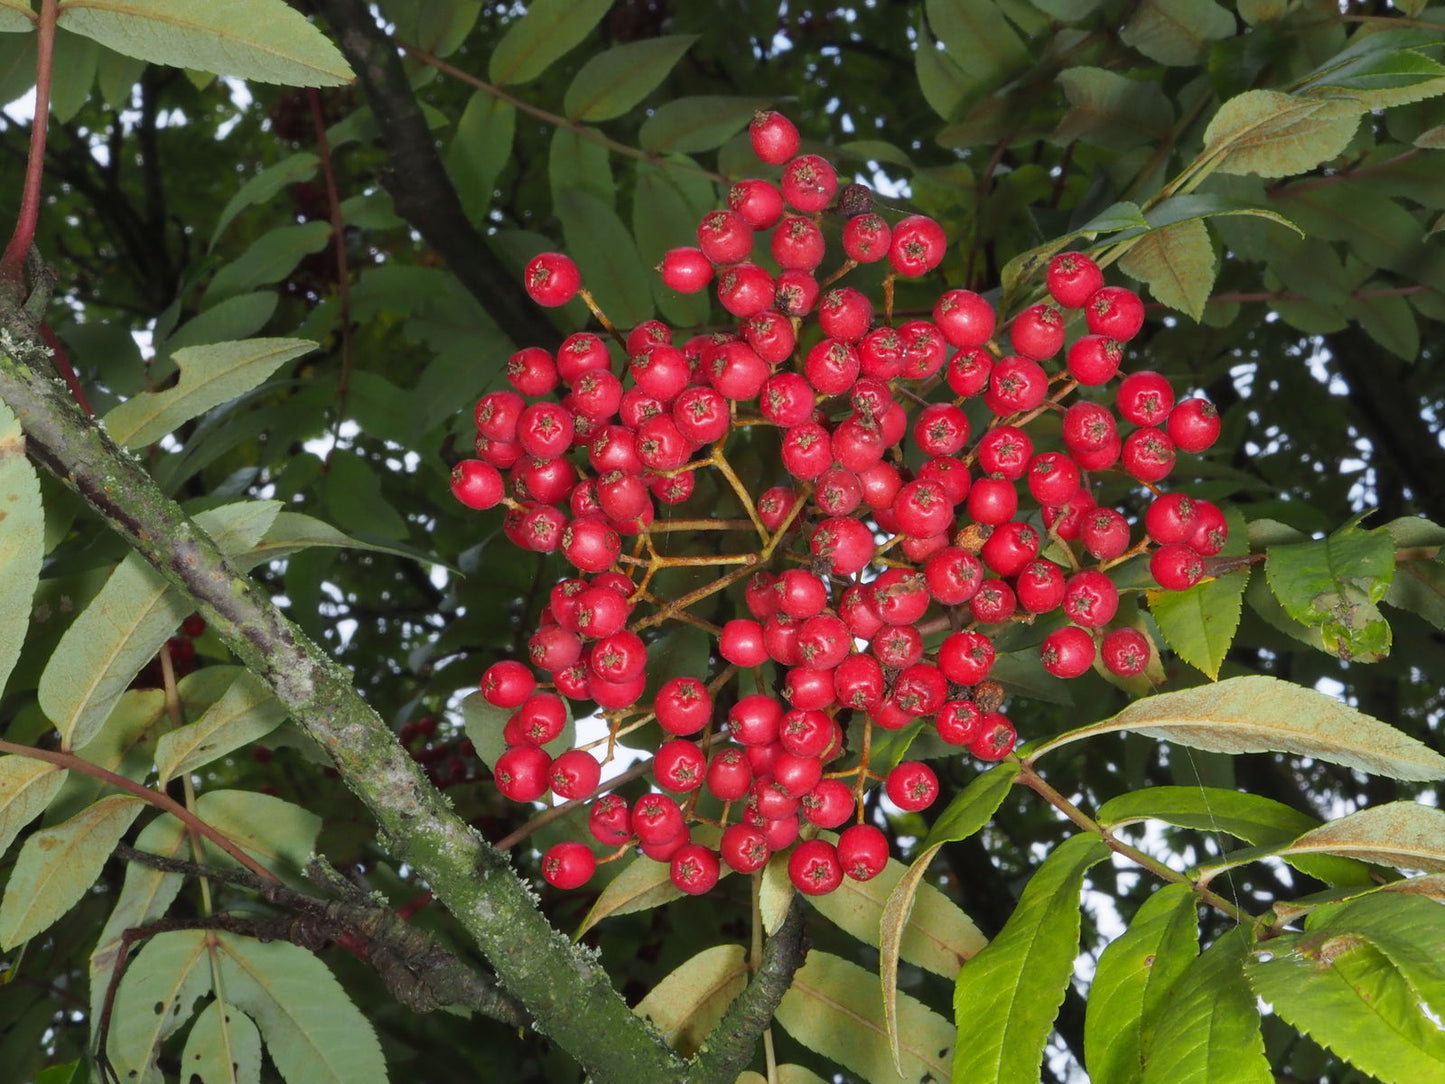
(12, 264)
(66, 370)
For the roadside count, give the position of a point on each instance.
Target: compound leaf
(223, 1047)
(685, 1005)
(156, 996)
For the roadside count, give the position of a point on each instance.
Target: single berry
(552, 279)
(814, 868)
(912, 786)
(1125, 651)
(1073, 278)
(694, 868)
(1067, 652)
(862, 851)
(568, 865)
(773, 136)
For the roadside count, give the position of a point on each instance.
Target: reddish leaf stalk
(12, 263)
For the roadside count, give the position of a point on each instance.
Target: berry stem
(586, 295)
(721, 462)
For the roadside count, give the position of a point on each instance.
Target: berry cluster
(919, 514)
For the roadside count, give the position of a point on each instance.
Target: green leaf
(1199, 623)
(1208, 1031)
(156, 996)
(1007, 996)
(210, 376)
(1334, 584)
(235, 318)
(698, 123)
(483, 723)
(687, 1003)
(124, 626)
(607, 257)
(145, 895)
(58, 865)
(1177, 262)
(616, 79)
(265, 40)
(74, 64)
(480, 150)
(1250, 817)
(248, 710)
(1406, 835)
(1419, 586)
(1258, 714)
(833, 1008)
(1116, 218)
(643, 885)
(1388, 319)
(1111, 110)
(575, 161)
(787, 1074)
(264, 187)
(666, 205)
(279, 834)
(548, 31)
(22, 541)
(269, 259)
(26, 788)
(223, 1047)
(1350, 994)
(1132, 982)
(942, 80)
(1277, 135)
(978, 39)
(313, 1031)
(1176, 32)
(974, 805)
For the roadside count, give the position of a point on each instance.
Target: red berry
(1176, 567)
(1194, 424)
(992, 501)
(1093, 359)
(758, 202)
(532, 371)
(683, 705)
(1040, 587)
(592, 545)
(1053, 477)
(965, 318)
(797, 244)
(724, 237)
(1104, 533)
(866, 238)
(862, 851)
(958, 721)
(1073, 278)
(966, 657)
(656, 819)
(686, 270)
(1125, 651)
(1016, 384)
(953, 575)
(829, 804)
(744, 848)
(1010, 547)
(814, 869)
(845, 313)
(940, 429)
(694, 868)
(1114, 312)
(1145, 398)
(969, 372)
(745, 289)
(1067, 652)
(575, 774)
(995, 738)
(477, 484)
(1005, 451)
(797, 292)
(917, 246)
(1148, 454)
(1090, 599)
(522, 773)
(551, 279)
(773, 136)
(679, 766)
(506, 684)
(995, 602)
(831, 366)
(1037, 332)
(912, 786)
(610, 821)
(809, 183)
(568, 865)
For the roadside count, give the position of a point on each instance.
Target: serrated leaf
(1199, 623)
(1250, 817)
(1389, 320)
(145, 895)
(978, 39)
(833, 1008)
(548, 31)
(1111, 110)
(1258, 714)
(210, 376)
(1345, 992)
(1007, 996)
(942, 80)
(265, 40)
(264, 186)
(607, 257)
(22, 541)
(26, 788)
(58, 865)
(247, 711)
(223, 1047)
(775, 893)
(974, 805)
(616, 79)
(1132, 980)
(687, 1003)
(156, 996)
(1177, 263)
(480, 149)
(701, 122)
(1334, 584)
(313, 1031)
(280, 834)
(1208, 1032)
(1406, 835)
(1278, 135)
(1419, 586)
(124, 626)
(1176, 32)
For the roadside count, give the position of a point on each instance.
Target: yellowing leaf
(56, 867)
(685, 1005)
(22, 540)
(247, 711)
(1403, 834)
(1178, 264)
(156, 996)
(26, 788)
(265, 40)
(1277, 135)
(1263, 714)
(223, 1047)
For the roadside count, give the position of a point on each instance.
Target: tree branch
(418, 181)
(569, 995)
